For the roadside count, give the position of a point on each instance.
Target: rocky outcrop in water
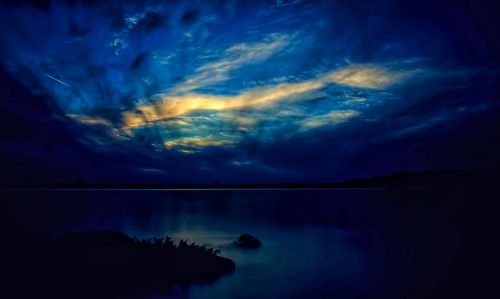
(247, 241)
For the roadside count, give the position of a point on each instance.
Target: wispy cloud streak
(331, 118)
(232, 59)
(170, 106)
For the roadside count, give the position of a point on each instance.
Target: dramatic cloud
(285, 90)
(332, 118)
(233, 58)
(172, 106)
(370, 76)
(191, 144)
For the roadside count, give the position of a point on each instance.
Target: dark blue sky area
(246, 91)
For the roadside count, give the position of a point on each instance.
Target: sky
(246, 91)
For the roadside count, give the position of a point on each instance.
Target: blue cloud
(274, 90)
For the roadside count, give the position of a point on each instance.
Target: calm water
(316, 243)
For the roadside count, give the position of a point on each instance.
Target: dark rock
(248, 241)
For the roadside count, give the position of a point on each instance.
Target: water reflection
(316, 243)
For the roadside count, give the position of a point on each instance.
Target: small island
(103, 264)
(114, 262)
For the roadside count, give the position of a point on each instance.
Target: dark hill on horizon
(404, 179)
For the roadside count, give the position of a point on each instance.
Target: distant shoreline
(408, 180)
(206, 189)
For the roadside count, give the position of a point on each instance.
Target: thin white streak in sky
(57, 80)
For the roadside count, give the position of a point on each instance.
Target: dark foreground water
(316, 243)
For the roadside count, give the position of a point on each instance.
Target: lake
(316, 243)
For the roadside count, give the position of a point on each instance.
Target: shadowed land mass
(103, 264)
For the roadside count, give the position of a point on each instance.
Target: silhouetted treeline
(405, 179)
